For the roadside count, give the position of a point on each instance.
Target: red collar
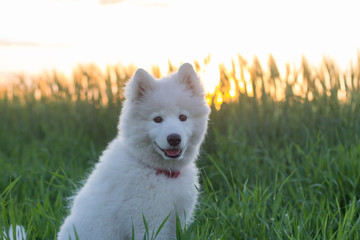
(168, 173)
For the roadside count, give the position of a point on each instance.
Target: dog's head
(165, 118)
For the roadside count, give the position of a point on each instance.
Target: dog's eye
(158, 119)
(182, 118)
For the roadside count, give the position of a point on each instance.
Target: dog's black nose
(174, 139)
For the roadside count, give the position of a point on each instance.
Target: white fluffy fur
(124, 185)
(20, 233)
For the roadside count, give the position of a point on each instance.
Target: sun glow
(210, 76)
(218, 100)
(222, 84)
(232, 91)
(151, 33)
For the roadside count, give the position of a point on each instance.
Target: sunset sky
(40, 34)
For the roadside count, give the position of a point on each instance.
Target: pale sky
(46, 34)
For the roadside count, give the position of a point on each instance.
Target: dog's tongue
(172, 152)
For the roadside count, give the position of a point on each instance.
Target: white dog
(19, 231)
(148, 171)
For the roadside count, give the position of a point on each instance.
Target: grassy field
(271, 168)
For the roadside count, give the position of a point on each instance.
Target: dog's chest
(162, 192)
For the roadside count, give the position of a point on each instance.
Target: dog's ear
(137, 87)
(188, 76)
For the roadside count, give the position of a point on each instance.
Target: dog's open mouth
(171, 152)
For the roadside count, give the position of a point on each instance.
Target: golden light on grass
(210, 75)
(241, 86)
(247, 76)
(248, 85)
(250, 91)
(232, 91)
(218, 100)
(223, 83)
(208, 100)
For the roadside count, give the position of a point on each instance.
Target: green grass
(269, 169)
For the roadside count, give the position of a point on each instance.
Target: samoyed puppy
(148, 172)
